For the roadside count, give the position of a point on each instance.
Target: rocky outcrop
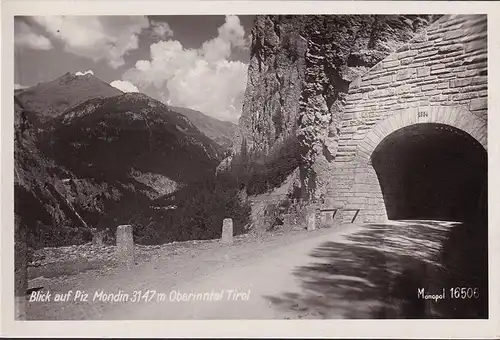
(300, 70)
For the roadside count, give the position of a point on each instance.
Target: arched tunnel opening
(432, 171)
(436, 172)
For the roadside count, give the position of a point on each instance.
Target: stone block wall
(439, 76)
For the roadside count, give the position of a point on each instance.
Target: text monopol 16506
(450, 293)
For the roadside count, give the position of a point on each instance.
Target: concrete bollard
(311, 220)
(287, 221)
(20, 269)
(125, 245)
(323, 219)
(98, 237)
(329, 217)
(227, 231)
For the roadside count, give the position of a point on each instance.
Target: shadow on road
(376, 273)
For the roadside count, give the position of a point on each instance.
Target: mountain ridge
(95, 163)
(50, 99)
(220, 131)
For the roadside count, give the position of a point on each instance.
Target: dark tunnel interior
(431, 171)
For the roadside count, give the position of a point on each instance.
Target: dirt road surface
(339, 272)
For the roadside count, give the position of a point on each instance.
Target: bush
(202, 206)
(194, 212)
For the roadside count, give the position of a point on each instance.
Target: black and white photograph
(251, 166)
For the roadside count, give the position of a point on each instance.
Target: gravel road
(338, 272)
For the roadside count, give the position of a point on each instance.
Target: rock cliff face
(300, 69)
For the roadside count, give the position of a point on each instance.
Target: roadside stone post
(287, 221)
(20, 269)
(329, 218)
(125, 245)
(311, 219)
(97, 237)
(227, 231)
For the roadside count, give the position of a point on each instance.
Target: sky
(199, 62)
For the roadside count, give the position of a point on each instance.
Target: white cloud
(96, 37)
(233, 31)
(25, 36)
(161, 29)
(201, 79)
(84, 73)
(124, 86)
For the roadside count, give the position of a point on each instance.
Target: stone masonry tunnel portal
(420, 163)
(430, 171)
(411, 133)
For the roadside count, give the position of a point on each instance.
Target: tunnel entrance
(431, 171)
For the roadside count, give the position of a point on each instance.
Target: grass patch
(66, 268)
